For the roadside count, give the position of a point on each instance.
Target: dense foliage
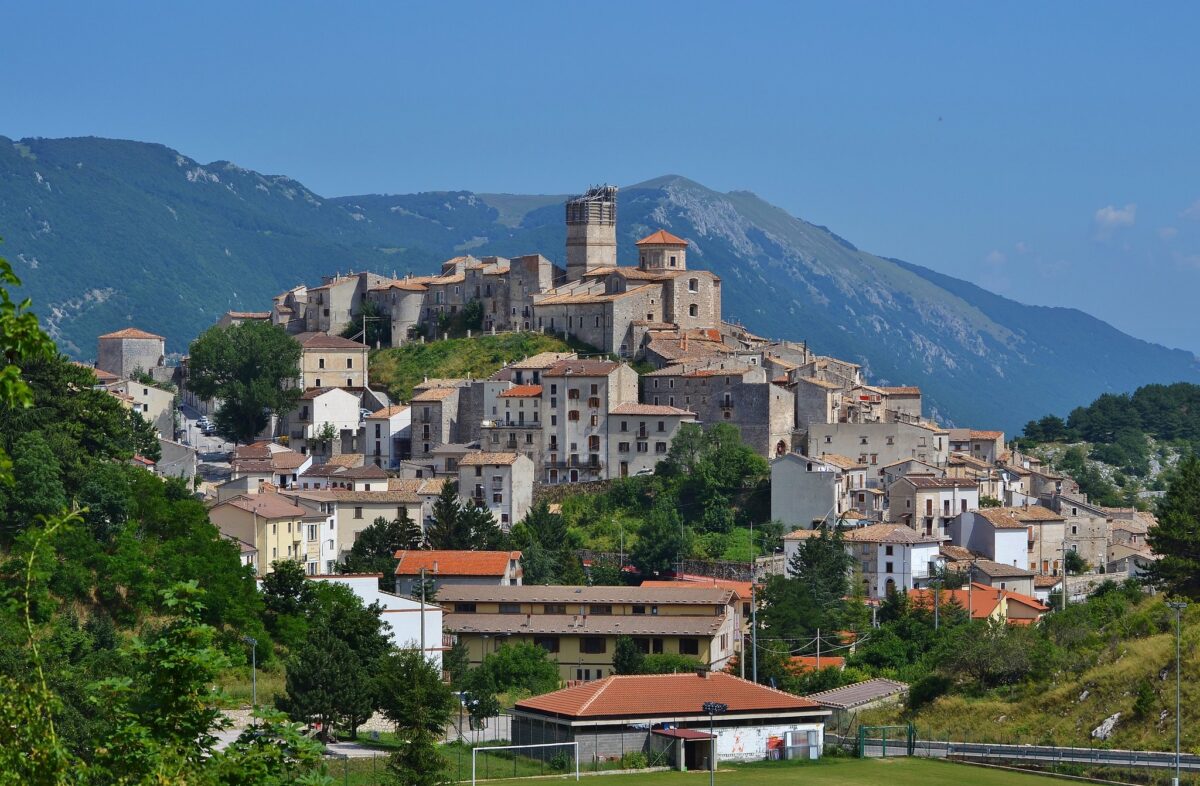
(1118, 425)
(1176, 539)
(251, 369)
(461, 525)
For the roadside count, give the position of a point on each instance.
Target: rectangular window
(510, 608)
(358, 513)
(689, 646)
(639, 609)
(554, 608)
(600, 608)
(888, 567)
(548, 643)
(592, 645)
(464, 608)
(349, 362)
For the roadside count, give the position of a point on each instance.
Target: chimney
(702, 673)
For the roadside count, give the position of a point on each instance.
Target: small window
(548, 643)
(592, 645)
(349, 362)
(639, 609)
(358, 513)
(554, 608)
(600, 608)
(689, 647)
(510, 608)
(464, 608)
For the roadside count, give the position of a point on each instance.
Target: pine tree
(627, 658)
(446, 531)
(1176, 538)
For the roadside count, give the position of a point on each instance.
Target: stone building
(640, 435)
(763, 412)
(332, 361)
(577, 397)
(125, 352)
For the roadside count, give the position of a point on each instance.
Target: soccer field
(827, 772)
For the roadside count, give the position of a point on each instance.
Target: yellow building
(331, 361)
(276, 528)
(579, 626)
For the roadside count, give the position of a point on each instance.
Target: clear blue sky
(1049, 152)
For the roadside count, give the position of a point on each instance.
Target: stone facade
(128, 351)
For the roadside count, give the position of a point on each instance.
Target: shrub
(634, 760)
(924, 691)
(560, 762)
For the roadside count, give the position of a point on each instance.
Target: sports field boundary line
(1062, 775)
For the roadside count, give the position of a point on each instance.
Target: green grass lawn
(826, 772)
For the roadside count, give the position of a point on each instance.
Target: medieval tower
(591, 231)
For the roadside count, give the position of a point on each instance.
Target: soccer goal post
(574, 746)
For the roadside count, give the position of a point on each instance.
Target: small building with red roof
(663, 715)
(984, 603)
(496, 568)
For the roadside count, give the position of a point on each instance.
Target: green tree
(627, 658)
(378, 325)
(251, 368)
(418, 761)
(447, 530)
(375, 549)
(812, 595)
(1176, 538)
(412, 694)
(514, 667)
(38, 490)
(1075, 563)
(325, 682)
(456, 661)
(668, 663)
(662, 541)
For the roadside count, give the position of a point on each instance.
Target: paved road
(212, 450)
(1039, 753)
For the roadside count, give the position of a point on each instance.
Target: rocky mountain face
(107, 233)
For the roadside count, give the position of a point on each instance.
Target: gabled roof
(661, 238)
(326, 341)
(581, 368)
(266, 505)
(388, 412)
(454, 563)
(685, 594)
(875, 533)
(542, 360)
(522, 391)
(483, 459)
(838, 460)
(132, 332)
(664, 695)
(858, 694)
(981, 600)
(928, 482)
(433, 394)
(630, 408)
(1018, 518)
(989, 435)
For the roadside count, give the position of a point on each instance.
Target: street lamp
(713, 708)
(1178, 606)
(253, 642)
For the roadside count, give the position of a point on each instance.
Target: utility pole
(1178, 606)
(753, 632)
(423, 614)
(253, 642)
(1065, 574)
(818, 650)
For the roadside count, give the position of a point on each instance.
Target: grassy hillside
(1133, 674)
(401, 368)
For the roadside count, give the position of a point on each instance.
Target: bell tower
(591, 231)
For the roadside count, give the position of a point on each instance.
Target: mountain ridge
(108, 233)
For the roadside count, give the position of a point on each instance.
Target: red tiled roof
(661, 238)
(487, 459)
(740, 588)
(132, 332)
(806, 663)
(648, 409)
(664, 695)
(522, 391)
(268, 506)
(388, 412)
(326, 341)
(454, 563)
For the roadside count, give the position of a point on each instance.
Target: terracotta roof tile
(455, 563)
(326, 341)
(1018, 518)
(522, 391)
(664, 695)
(661, 238)
(650, 409)
(433, 394)
(267, 505)
(132, 332)
(483, 459)
(582, 368)
(388, 412)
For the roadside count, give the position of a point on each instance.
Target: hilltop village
(654, 359)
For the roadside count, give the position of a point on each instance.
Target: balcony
(577, 463)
